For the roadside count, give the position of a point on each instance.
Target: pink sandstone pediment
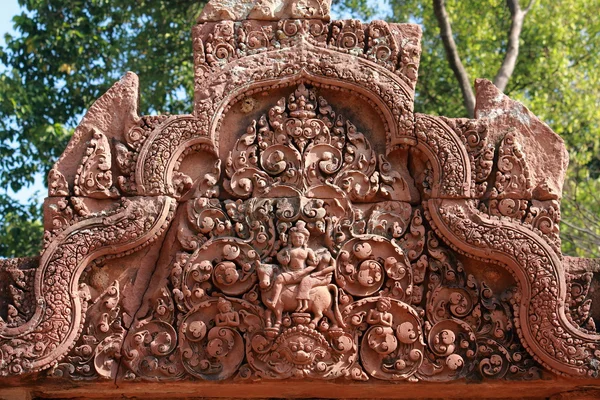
(302, 224)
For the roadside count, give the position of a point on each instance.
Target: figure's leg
(268, 317)
(318, 315)
(330, 316)
(277, 286)
(278, 315)
(303, 293)
(303, 305)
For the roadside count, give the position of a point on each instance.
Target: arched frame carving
(311, 54)
(61, 300)
(390, 95)
(542, 324)
(452, 180)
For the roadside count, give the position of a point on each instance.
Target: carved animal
(321, 302)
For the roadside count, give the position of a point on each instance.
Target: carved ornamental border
(478, 197)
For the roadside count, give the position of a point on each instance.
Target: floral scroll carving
(302, 223)
(29, 347)
(98, 349)
(292, 275)
(304, 148)
(94, 176)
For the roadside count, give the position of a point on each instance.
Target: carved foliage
(448, 152)
(303, 148)
(313, 264)
(98, 350)
(57, 184)
(510, 194)
(57, 319)
(305, 47)
(309, 270)
(562, 347)
(292, 287)
(128, 153)
(265, 10)
(16, 277)
(512, 187)
(578, 304)
(394, 47)
(94, 175)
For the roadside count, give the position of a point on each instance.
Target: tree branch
(456, 65)
(512, 51)
(529, 6)
(588, 232)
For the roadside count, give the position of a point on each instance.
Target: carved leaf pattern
(312, 263)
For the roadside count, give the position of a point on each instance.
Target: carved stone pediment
(302, 224)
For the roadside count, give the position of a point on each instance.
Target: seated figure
(321, 277)
(297, 262)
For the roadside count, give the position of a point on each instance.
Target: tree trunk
(512, 51)
(456, 65)
(510, 58)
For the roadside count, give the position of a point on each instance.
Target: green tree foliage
(66, 53)
(21, 228)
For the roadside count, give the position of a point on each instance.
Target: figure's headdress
(385, 302)
(222, 301)
(300, 228)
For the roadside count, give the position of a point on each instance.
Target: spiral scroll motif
(62, 302)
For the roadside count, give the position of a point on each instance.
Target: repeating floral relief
(312, 264)
(302, 223)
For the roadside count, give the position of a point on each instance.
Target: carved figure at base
(227, 316)
(381, 316)
(381, 337)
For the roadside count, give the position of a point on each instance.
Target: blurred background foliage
(66, 53)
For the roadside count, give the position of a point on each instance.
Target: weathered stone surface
(16, 289)
(302, 223)
(268, 10)
(85, 166)
(546, 156)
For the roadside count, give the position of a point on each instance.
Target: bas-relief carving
(264, 10)
(301, 241)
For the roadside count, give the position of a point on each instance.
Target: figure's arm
(324, 271)
(284, 257)
(236, 319)
(387, 319)
(371, 318)
(306, 270)
(311, 258)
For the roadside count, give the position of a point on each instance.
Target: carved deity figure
(297, 261)
(227, 316)
(300, 283)
(381, 316)
(321, 277)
